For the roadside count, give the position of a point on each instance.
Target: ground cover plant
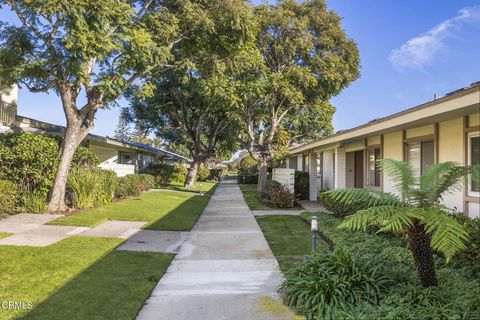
(456, 296)
(416, 212)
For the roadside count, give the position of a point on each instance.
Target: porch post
(340, 168)
(313, 181)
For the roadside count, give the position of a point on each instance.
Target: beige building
(445, 129)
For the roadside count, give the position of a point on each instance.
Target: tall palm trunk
(422, 254)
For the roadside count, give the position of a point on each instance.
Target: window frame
(471, 135)
(368, 183)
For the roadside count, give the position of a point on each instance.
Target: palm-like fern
(416, 211)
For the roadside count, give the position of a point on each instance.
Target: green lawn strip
(250, 194)
(4, 235)
(150, 207)
(183, 217)
(289, 237)
(207, 187)
(78, 278)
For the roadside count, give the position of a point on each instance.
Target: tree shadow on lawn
(114, 287)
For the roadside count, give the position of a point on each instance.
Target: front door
(359, 169)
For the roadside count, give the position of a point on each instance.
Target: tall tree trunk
(262, 175)
(73, 136)
(192, 174)
(422, 254)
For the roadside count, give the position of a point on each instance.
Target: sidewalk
(224, 270)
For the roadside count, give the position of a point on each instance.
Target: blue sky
(410, 50)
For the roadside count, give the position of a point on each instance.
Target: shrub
(146, 182)
(203, 173)
(269, 186)
(161, 172)
(247, 179)
(281, 197)
(30, 160)
(8, 196)
(90, 187)
(127, 186)
(34, 202)
(337, 208)
(216, 174)
(302, 185)
(470, 257)
(179, 173)
(329, 282)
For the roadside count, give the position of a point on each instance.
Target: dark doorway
(359, 169)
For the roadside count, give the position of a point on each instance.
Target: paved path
(224, 270)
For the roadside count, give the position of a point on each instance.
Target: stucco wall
(420, 131)
(474, 120)
(327, 169)
(451, 148)
(393, 149)
(105, 155)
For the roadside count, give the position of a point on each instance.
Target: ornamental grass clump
(329, 282)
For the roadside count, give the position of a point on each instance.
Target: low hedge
(247, 179)
(456, 297)
(132, 185)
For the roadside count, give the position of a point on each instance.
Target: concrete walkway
(224, 269)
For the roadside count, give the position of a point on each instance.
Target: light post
(201, 189)
(314, 228)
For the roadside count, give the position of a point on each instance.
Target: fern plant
(417, 211)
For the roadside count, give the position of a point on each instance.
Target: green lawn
(162, 210)
(289, 237)
(78, 278)
(207, 187)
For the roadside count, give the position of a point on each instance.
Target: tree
(193, 105)
(123, 132)
(301, 60)
(417, 212)
(94, 48)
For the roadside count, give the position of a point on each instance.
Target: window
(306, 163)
(373, 168)
(474, 160)
(420, 155)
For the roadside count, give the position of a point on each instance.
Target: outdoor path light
(201, 189)
(314, 228)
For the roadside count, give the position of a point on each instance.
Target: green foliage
(90, 187)
(8, 196)
(84, 157)
(338, 208)
(470, 256)
(281, 197)
(421, 203)
(33, 202)
(216, 174)
(30, 160)
(302, 185)
(179, 173)
(203, 173)
(127, 186)
(326, 283)
(248, 165)
(456, 297)
(161, 172)
(247, 179)
(146, 182)
(270, 185)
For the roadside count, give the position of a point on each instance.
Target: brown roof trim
(449, 96)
